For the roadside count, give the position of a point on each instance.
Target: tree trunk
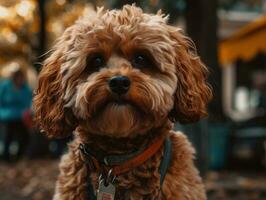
(201, 26)
(42, 33)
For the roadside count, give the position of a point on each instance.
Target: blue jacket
(13, 102)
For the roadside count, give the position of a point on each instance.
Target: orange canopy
(245, 43)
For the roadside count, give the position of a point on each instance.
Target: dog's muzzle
(119, 84)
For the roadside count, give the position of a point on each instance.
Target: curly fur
(73, 96)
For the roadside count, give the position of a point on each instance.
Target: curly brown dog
(118, 80)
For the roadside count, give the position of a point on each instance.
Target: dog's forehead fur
(128, 17)
(126, 30)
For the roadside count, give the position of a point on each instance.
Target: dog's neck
(109, 145)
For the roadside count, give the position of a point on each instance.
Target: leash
(112, 166)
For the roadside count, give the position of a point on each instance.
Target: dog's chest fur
(182, 181)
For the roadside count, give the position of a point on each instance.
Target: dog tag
(106, 192)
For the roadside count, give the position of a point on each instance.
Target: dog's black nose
(119, 84)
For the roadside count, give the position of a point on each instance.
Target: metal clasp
(109, 179)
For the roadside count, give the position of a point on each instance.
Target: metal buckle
(109, 179)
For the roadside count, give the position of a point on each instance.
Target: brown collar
(105, 168)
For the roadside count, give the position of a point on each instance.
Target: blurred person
(15, 99)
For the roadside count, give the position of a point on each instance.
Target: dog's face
(120, 73)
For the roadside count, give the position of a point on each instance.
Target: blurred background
(230, 36)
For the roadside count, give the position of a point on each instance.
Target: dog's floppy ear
(50, 114)
(192, 91)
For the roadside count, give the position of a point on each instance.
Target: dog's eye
(141, 60)
(96, 61)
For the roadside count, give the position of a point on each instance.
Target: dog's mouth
(122, 103)
(118, 116)
(119, 102)
(116, 105)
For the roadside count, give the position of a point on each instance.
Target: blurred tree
(18, 27)
(42, 33)
(201, 26)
